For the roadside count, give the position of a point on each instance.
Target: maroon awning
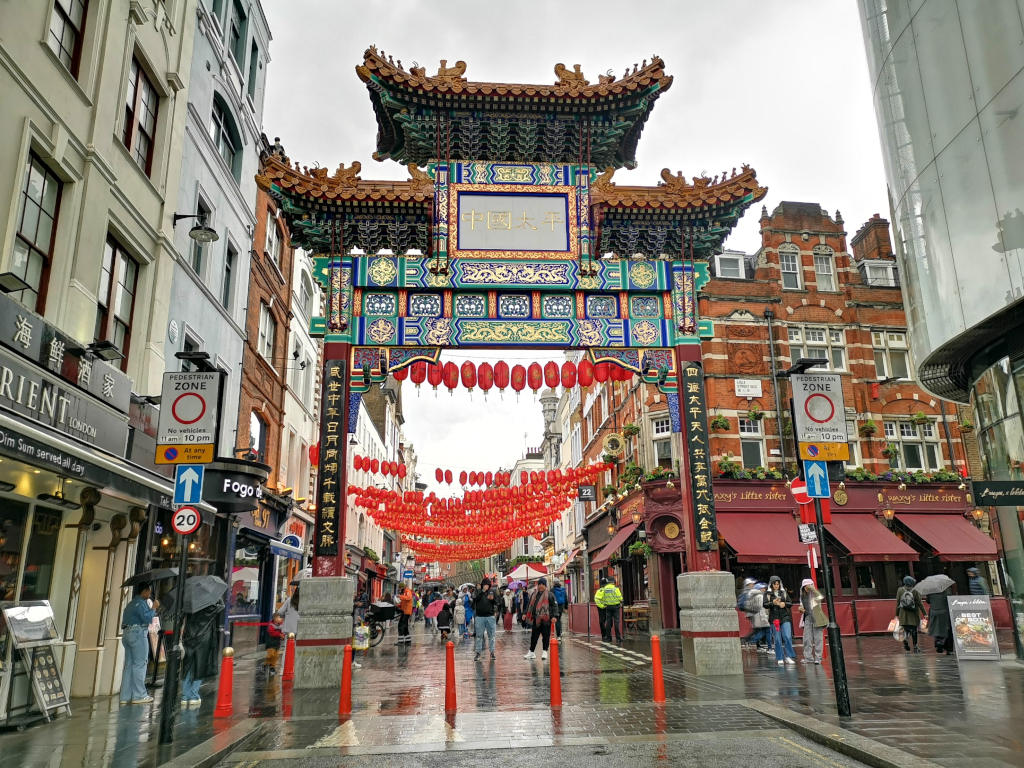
(602, 557)
(867, 539)
(951, 537)
(762, 537)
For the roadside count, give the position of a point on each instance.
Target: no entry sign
(799, 490)
(186, 520)
(188, 417)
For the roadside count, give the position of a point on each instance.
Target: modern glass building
(948, 80)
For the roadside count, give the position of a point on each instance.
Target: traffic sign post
(835, 640)
(189, 417)
(186, 520)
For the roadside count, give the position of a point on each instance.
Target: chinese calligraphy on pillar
(332, 433)
(694, 415)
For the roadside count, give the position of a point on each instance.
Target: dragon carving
(570, 77)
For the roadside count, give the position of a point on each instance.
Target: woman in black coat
(939, 625)
(201, 639)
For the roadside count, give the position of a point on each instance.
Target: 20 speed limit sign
(186, 520)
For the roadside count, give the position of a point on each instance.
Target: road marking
(611, 651)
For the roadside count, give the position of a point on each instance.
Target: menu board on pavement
(974, 629)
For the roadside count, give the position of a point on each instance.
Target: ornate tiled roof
(675, 192)
(343, 185)
(571, 83)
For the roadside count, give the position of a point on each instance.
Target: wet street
(926, 707)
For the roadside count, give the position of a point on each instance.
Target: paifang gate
(509, 232)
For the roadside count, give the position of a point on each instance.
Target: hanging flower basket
(630, 430)
(920, 418)
(720, 423)
(891, 451)
(640, 550)
(867, 428)
(966, 426)
(755, 413)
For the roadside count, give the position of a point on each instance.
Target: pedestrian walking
(460, 617)
(154, 643)
(939, 625)
(444, 620)
(135, 623)
(562, 599)
(290, 614)
(405, 601)
(976, 584)
(813, 620)
(467, 601)
(485, 606)
(763, 640)
(508, 597)
(909, 610)
(541, 611)
(201, 640)
(748, 607)
(609, 603)
(778, 604)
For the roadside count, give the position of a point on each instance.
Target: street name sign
(188, 483)
(818, 409)
(187, 430)
(816, 474)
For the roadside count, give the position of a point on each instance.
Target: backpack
(907, 601)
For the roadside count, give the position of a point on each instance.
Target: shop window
(751, 443)
(892, 359)
(866, 581)
(258, 436)
(824, 268)
(115, 305)
(12, 529)
(818, 343)
(244, 599)
(140, 114)
(789, 264)
(37, 229)
(67, 23)
(917, 445)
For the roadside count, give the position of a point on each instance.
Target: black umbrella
(157, 574)
(203, 591)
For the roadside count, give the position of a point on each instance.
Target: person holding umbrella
(935, 589)
(202, 651)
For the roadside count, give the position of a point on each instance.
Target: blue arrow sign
(816, 474)
(407, 574)
(188, 483)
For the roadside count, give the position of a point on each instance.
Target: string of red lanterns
(535, 376)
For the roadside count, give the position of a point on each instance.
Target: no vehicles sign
(818, 408)
(188, 417)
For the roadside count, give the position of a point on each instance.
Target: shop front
(879, 533)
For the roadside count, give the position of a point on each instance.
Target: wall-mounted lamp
(637, 517)
(978, 514)
(12, 283)
(888, 514)
(201, 233)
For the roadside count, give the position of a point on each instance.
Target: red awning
(867, 539)
(762, 537)
(951, 537)
(602, 557)
(563, 566)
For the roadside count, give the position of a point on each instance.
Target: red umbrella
(434, 608)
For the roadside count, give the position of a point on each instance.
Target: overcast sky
(780, 85)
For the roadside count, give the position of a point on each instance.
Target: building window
(853, 442)
(37, 229)
(892, 358)
(818, 343)
(751, 443)
(197, 252)
(729, 265)
(254, 61)
(67, 22)
(188, 346)
(273, 245)
(119, 274)
(258, 436)
(268, 330)
(824, 269)
(306, 295)
(661, 428)
(140, 112)
(236, 33)
(789, 263)
(882, 274)
(230, 257)
(917, 444)
(225, 136)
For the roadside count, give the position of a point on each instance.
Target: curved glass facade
(948, 81)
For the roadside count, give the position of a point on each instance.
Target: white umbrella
(940, 582)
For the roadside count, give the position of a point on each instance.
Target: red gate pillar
(696, 559)
(332, 473)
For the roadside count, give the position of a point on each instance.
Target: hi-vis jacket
(608, 596)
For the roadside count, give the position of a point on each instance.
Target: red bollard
(659, 682)
(288, 673)
(226, 684)
(345, 700)
(449, 677)
(555, 673)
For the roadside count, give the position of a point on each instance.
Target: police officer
(608, 599)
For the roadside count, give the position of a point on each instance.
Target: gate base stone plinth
(708, 623)
(325, 627)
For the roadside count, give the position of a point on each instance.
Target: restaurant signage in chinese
(695, 428)
(974, 630)
(485, 221)
(328, 500)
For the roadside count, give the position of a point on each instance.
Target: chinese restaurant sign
(974, 630)
(512, 222)
(695, 427)
(331, 434)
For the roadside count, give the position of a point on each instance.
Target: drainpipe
(949, 440)
(768, 316)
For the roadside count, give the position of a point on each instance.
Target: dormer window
(880, 274)
(729, 265)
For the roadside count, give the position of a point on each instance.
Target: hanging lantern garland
(486, 377)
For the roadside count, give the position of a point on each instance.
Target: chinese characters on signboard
(489, 221)
(695, 427)
(329, 494)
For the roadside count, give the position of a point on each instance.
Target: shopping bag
(893, 625)
(899, 634)
(361, 638)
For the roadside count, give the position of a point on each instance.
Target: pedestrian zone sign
(818, 410)
(187, 431)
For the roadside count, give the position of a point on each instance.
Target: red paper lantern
(401, 374)
(472, 478)
(463, 478)
(418, 373)
(394, 468)
(489, 478)
(602, 371)
(568, 374)
(402, 471)
(469, 375)
(534, 377)
(501, 376)
(451, 376)
(385, 468)
(435, 374)
(485, 376)
(439, 475)
(551, 376)
(518, 378)
(524, 477)
(374, 466)
(448, 476)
